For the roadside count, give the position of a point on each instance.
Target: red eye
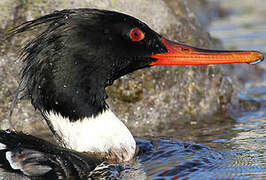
(136, 34)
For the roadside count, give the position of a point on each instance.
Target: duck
(66, 68)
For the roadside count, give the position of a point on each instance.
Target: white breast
(104, 133)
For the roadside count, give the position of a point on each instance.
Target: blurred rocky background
(160, 101)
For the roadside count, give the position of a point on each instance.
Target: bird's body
(66, 70)
(26, 157)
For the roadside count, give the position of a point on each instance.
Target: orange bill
(180, 54)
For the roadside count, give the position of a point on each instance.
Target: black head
(80, 52)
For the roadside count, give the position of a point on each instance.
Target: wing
(27, 157)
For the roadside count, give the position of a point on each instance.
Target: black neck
(73, 92)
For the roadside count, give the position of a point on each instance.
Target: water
(245, 28)
(231, 149)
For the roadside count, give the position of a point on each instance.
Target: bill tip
(259, 58)
(256, 62)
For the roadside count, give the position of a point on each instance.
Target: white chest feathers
(104, 134)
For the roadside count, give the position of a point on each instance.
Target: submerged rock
(150, 101)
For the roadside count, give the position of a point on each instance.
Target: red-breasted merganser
(66, 70)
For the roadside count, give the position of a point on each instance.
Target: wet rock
(150, 101)
(249, 105)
